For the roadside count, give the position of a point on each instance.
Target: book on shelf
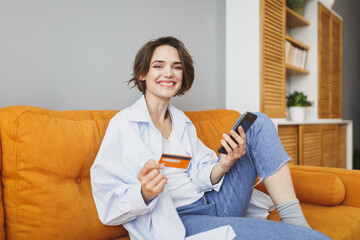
(303, 60)
(289, 50)
(294, 55)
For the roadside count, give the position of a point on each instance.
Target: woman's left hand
(234, 149)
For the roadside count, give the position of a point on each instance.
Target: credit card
(175, 161)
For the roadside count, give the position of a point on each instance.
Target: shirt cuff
(218, 185)
(206, 172)
(137, 200)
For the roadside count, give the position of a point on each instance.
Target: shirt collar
(140, 113)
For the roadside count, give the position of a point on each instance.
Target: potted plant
(296, 5)
(296, 102)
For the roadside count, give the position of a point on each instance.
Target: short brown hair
(143, 58)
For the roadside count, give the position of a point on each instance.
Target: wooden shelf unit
(294, 20)
(309, 141)
(292, 70)
(297, 43)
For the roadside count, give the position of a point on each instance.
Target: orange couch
(45, 168)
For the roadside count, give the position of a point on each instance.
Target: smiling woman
(153, 199)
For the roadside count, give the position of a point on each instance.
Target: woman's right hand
(152, 180)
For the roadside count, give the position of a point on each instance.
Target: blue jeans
(264, 156)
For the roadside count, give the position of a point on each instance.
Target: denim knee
(261, 124)
(263, 120)
(265, 147)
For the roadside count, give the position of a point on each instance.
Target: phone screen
(245, 121)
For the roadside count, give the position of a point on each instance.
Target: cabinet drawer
(289, 138)
(310, 145)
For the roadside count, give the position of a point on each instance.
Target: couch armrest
(350, 179)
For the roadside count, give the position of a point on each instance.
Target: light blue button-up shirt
(131, 140)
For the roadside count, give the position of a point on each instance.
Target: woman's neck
(158, 110)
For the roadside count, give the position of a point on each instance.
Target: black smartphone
(245, 121)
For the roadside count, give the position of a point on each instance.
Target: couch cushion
(316, 187)
(46, 159)
(337, 222)
(218, 120)
(350, 179)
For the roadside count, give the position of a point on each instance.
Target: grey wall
(77, 54)
(349, 10)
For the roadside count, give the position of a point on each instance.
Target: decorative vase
(296, 5)
(297, 114)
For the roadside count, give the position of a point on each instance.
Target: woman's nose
(167, 72)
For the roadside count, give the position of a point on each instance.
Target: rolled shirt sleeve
(115, 187)
(202, 166)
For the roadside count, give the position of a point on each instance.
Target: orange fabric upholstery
(45, 174)
(329, 189)
(211, 124)
(350, 179)
(340, 222)
(2, 216)
(320, 200)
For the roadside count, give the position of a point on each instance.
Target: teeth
(167, 84)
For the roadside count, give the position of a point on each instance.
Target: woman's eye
(178, 67)
(157, 66)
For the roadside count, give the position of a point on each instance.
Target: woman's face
(165, 74)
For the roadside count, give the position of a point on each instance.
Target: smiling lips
(166, 83)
